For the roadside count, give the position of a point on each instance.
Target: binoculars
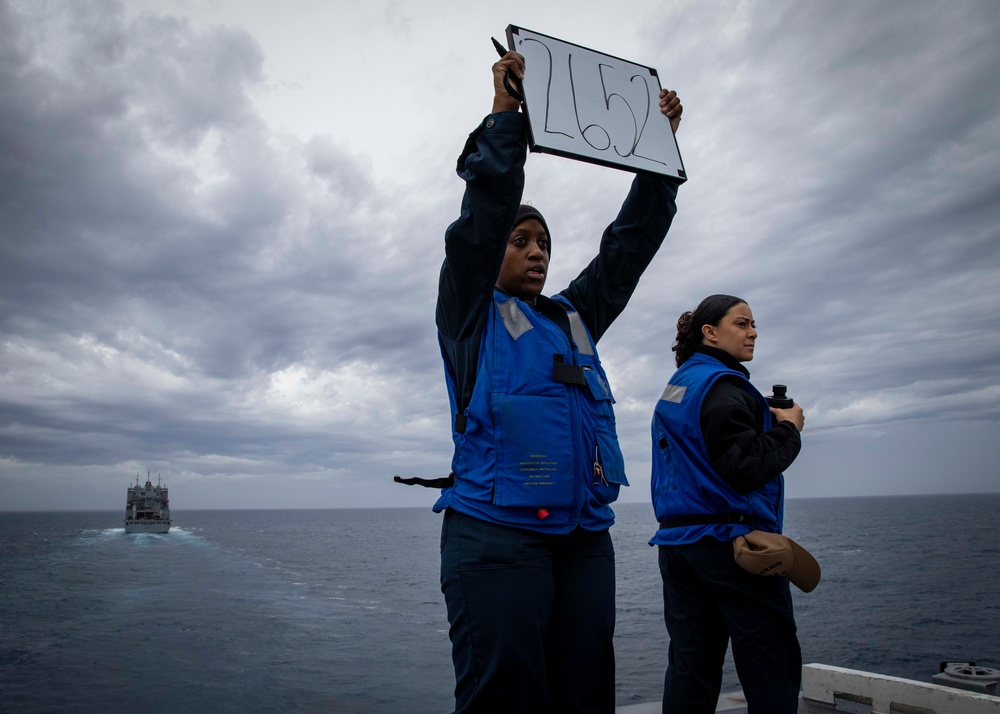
(779, 399)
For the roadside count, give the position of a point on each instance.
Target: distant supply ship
(147, 509)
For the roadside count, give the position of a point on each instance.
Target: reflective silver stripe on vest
(673, 393)
(579, 333)
(513, 319)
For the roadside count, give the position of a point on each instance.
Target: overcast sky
(221, 225)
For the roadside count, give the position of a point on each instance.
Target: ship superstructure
(147, 508)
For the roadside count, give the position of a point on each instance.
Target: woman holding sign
(719, 451)
(527, 562)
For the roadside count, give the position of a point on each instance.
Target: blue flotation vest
(685, 485)
(536, 447)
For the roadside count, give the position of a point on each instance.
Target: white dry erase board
(591, 106)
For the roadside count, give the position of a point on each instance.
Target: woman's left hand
(793, 414)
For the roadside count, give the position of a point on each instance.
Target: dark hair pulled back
(709, 312)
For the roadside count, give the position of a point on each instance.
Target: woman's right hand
(793, 414)
(512, 62)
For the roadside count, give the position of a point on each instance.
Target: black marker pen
(501, 50)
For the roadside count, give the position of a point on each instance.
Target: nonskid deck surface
(830, 689)
(730, 703)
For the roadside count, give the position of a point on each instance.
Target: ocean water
(340, 611)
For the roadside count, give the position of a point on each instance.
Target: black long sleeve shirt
(743, 454)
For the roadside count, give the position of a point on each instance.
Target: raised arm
(492, 166)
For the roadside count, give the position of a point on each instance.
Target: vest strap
(447, 482)
(709, 519)
(579, 333)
